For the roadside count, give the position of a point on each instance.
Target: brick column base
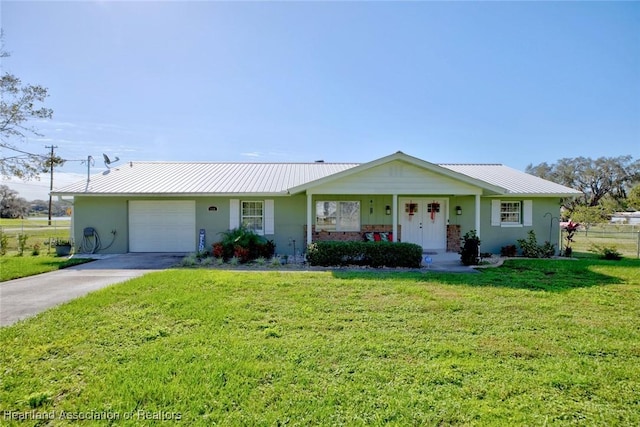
(453, 238)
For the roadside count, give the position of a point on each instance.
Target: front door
(424, 222)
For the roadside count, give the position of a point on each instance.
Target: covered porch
(435, 222)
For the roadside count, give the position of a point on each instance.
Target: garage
(162, 226)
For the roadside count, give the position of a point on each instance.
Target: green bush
(531, 249)
(22, 243)
(508, 251)
(243, 244)
(4, 243)
(470, 248)
(372, 254)
(606, 252)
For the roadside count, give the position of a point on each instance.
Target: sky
(516, 83)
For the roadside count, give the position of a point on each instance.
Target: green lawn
(535, 342)
(623, 237)
(14, 267)
(38, 232)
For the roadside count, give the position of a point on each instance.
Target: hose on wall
(91, 242)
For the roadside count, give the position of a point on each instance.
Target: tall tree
(19, 105)
(604, 176)
(633, 200)
(12, 206)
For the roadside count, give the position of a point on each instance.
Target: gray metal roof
(182, 178)
(202, 178)
(514, 181)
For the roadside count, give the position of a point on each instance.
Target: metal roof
(171, 178)
(203, 178)
(514, 181)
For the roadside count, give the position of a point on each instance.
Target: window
(510, 212)
(338, 216)
(252, 216)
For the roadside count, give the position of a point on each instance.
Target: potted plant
(63, 247)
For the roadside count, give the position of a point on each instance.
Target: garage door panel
(162, 226)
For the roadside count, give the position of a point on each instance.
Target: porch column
(478, 215)
(394, 218)
(309, 217)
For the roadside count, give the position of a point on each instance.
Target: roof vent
(319, 161)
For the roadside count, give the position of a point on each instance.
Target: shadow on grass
(536, 275)
(70, 262)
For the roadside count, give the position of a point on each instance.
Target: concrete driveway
(22, 298)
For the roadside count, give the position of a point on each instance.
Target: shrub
(531, 249)
(4, 243)
(509, 251)
(22, 243)
(243, 244)
(570, 229)
(469, 253)
(189, 261)
(373, 254)
(218, 250)
(242, 253)
(207, 261)
(606, 252)
(275, 262)
(36, 249)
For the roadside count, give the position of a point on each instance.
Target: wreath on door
(411, 208)
(433, 208)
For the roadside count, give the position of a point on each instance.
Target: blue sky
(464, 82)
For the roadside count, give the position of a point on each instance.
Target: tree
(633, 199)
(12, 206)
(605, 176)
(20, 104)
(589, 215)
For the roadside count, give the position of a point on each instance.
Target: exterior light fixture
(458, 210)
(387, 210)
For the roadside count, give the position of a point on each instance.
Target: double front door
(424, 222)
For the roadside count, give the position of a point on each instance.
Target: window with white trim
(510, 213)
(252, 216)
(338, 215)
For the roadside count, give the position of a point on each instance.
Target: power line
(51, 161)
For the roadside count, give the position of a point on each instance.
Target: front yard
(535, 342)
(14, 267)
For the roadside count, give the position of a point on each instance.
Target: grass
(623, 238)
(535, 342)
(14, 267)
(37, 230)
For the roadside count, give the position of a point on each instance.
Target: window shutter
(234, 213)
(269, 227)
(495, 213)
(527, 213)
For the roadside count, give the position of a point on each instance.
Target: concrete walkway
(22, 298)
(445, 262)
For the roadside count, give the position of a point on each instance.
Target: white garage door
(162, 226)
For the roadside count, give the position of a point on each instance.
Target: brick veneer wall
(349, 236)
(453, 238)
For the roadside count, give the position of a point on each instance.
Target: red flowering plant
(570, 229)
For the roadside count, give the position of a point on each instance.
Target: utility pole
(51, 171)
